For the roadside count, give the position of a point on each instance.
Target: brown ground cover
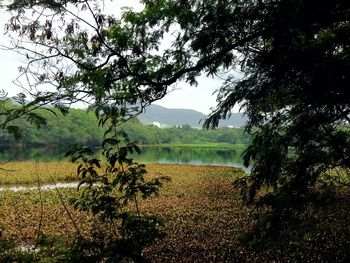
(203, 217)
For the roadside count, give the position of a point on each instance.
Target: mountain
(170, 117)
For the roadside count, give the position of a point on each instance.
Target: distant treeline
(183, 134)
(76, 127)
(81, 127)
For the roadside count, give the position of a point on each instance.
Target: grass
(203, 213)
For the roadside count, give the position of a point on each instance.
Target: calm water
(189, 155)
(169, 155)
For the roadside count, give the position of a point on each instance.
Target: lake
(150, 154)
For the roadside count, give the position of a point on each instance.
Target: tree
(294, 56)
(117, 60)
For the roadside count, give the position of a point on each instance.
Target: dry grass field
(203, 215)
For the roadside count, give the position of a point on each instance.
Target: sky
(199, 98)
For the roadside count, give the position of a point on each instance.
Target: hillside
(170, 117)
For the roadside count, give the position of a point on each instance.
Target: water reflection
(43, 154)
(191, 155)
(169, 155)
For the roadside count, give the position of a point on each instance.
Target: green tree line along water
(79, 127)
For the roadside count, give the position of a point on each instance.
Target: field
(204, 216)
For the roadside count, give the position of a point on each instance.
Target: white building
(156, 124)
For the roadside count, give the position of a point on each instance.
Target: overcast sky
(198, 98)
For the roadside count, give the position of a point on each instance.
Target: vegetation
(295, 92)
(28, 173)
(294, 59)
(204, 219)
(183, 135)
(106, 195)
(59, 130)
(81, 127)
(28, 112)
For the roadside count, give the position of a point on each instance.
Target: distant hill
(170, 117)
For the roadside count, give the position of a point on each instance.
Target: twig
(41, 203)
(123, 170)
(5, 162)
(66, 209)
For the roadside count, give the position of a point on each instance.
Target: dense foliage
(296, 92)
(18, 109)
(183, 134)
(59, 130)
